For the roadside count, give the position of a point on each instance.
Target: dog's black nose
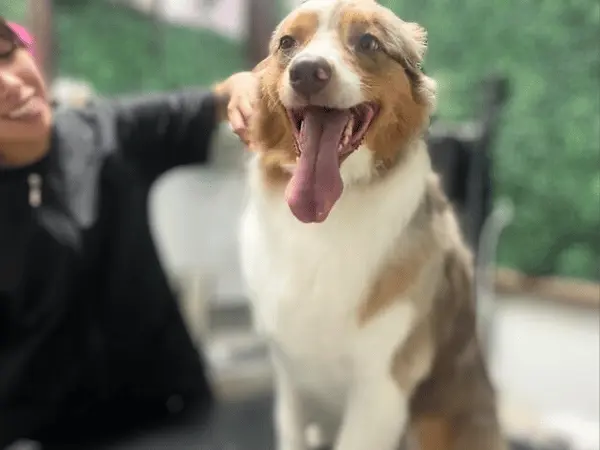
(310, 74)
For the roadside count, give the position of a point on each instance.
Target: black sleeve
(162, 131)
(151, 355)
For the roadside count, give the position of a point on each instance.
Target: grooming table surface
(244, 421)
(244, 425)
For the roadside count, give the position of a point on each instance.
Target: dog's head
(342, 97)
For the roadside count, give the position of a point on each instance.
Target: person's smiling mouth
(29, 108)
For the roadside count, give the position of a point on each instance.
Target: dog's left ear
(407, 40)
(418, 36)
(416, 49)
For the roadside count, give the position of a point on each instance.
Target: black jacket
(88, 325)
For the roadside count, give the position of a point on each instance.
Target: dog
(353, 258)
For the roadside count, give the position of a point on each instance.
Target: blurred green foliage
(120, 50)
(14, 10)
(547, 155)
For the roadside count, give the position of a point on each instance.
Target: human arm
(159, 132)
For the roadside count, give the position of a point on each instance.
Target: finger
(244, 137)
(246, 109)
(236, 121)
(240, 133)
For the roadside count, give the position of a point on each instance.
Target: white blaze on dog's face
(342, 86)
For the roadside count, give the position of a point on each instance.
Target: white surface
(547, 356)
(194, 215)
(223, 16)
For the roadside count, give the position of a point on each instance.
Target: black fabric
(90, 334)
(465, 170)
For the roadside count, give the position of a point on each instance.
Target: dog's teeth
(349, 128)
(347, 133)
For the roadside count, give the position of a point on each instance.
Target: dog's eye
(368, 43)
(287, 43)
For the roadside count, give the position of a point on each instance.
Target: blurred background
(538, 240)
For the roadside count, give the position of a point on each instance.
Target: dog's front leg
(375, 415)
(289, 415)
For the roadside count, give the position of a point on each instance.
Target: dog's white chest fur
(308, 280)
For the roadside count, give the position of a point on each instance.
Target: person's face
(25, 113)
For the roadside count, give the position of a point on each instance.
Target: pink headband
(24, 36)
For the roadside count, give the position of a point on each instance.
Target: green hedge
(14, 10)
(120, 50)
(548, 152)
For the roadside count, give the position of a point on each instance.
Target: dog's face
(342, 94)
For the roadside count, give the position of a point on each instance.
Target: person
(91, 337)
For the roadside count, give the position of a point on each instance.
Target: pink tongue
(317, 184)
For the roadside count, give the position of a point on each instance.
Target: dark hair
(8, 35)
(6, 31)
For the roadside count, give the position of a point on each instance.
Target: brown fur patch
(402, 273)
(388, 80)
(458, 390)
(394, 282)
(433, 433)
(301, 25)
(453, 406)
(271, 130)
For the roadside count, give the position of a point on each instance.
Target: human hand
(242, 92)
